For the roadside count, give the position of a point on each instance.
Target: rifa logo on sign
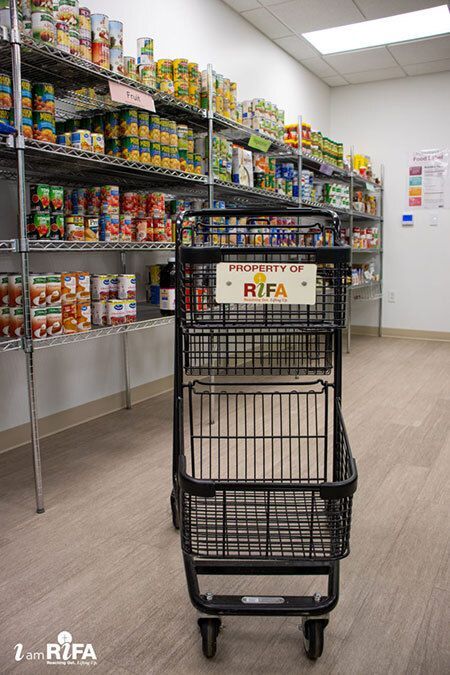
(64, 651)
(266, 283)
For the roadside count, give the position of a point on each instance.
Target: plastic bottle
(167, 289)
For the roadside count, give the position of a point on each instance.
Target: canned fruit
(44, 126)
(81, 139)
(4, 321)
(83, 317)
(74, 42)
(56, 195)
(144, 151)
(100, 54)
(116, 34)
(39, 322)
(62, 36)
(68, 288)
(180, 70)
(43, 27)
(57, 226)
(37, 286)
(84, 22)
(164, 70)
(43, 97)
(144, 124)
(125, 228)
(112, 125)
(130, 148)
(40, 198)
(98, 308)
(126, 287)
(68, 12)
(69, 319)
(113, 286)
(53, 289)
(98, 143)
(116, 61)
(130, 310)
(38, 226)
(16, 322)
(100, 287)
(15, 290)
(91, 229)
(147, 75)
(41, 5)
(5, 92)
(54, 321)
(85, 49)
(128, 122)
(100, 29)
(110, 200)
(130, 67)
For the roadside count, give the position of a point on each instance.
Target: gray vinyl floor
(104, 563)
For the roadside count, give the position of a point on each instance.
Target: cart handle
(261, 211)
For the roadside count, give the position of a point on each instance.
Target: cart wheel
(313, 638)
(174, 507)
(209, 628)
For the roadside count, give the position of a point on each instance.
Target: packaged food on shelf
(83, 317)
(100, 287)
(4, 297)
(126, 287)
(91, 228)
(69, 319)
(98, 312)
(4, 321)
(15, 290)
(16, 322)
(54, 321)
(43, 23)
(242, 166)
(83, 286)
(53, 290)
(37, 284)
(38, 317)
(68, 288)
(115, 313)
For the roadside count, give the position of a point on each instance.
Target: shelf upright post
(27, 341)
(210, 136)
(126, 360)
(349, 298)
(381, 245)
(300, 161)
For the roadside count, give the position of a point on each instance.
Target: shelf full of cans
(66, 303)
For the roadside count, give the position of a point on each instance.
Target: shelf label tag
(370, 187)
(120, 93)
(258, 143)
(266, 283)
(327, 169)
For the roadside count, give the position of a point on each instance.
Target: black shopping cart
(263, 475)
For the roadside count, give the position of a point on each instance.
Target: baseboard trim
(65, 419)
(406, 333)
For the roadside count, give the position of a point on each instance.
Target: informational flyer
(428, 179)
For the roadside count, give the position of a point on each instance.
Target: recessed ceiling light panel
(400, 28)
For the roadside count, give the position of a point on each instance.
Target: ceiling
(284, 21)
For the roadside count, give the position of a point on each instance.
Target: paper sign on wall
(428, 179)
(120, 93)
(266, 283)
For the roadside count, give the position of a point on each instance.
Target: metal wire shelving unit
(23, 160)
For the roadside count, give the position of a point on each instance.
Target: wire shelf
(8, 246)
(10, 344)
(315, 164)
(239, 133)
(366, 292)
(247, 195)
(88, 246)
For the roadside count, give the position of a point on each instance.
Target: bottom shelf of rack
(9, 344)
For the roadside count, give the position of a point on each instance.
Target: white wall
(388, 120)
(207, 31)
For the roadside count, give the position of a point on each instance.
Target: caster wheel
(209, 629)
(313, 638)
(175, 512)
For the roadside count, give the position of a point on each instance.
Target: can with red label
(141, 229)
(125, 227)
(74, 227)
(115, 313)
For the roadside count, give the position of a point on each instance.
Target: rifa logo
(259, 288)
(63, 652)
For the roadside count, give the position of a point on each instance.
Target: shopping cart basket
(263, 471)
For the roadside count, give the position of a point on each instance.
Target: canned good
(40, 197)
(83, 287)
(6, 116)
(113, 286)
(129, 67)
(4, 297)
(62, 36)
(85, 50)
(181, 91)
(144, 51)
(16, 322)
(27, 123)
(144, 151)
(37, 288)
(144, 124)
(155, 129)
(43, 26)
(130, 148)
(81, 139)
(84, 22)
(44, 126)
(100, 54)
(56, 198)
(167, 87)
(68, 12)
(54, 321)
(128, 122)
(43, 97)
(74, 42)
(53, 289)
(98, 312)
(5, 92)
(116, 61)
(116, 34)
(115, 313)
(38, 226)
(4, 321)
(15, 290)
(129, 203)
(98, 124)
(68, 288)
(91, 229)
(98, 143)
(130, 309)
(155, 153)
(57, 226)
(79, 198)
(109, 226)
(164, 70)
(74, 226)
(100, 287)
(112, 125)
(100, 29)
(125, 228)
(94, 201)
(127, 287)
(147, 75)
(69, 318)
(180, 69)
(110, 204)
(27, 100)
(141, 229)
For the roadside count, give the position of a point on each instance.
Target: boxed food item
(242, 166)
(68, 288)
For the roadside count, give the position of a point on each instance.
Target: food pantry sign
(266, 283)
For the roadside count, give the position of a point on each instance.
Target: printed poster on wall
(428, 179)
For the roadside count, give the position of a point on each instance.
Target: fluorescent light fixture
(391, 29)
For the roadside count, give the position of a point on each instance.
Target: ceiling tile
(243, 5)
(266, 23)
(296, 47)
(428, 67)
(318, 66)
(377, 9)
(269, 3)
(334, 80)
(374, 75)
(357, 61)
(307, 15)
(419, 51)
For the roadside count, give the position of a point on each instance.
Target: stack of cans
(180, 69)
(85, 30)
(146, 69)
(116, 47)
(100, 40)
(43, 21)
